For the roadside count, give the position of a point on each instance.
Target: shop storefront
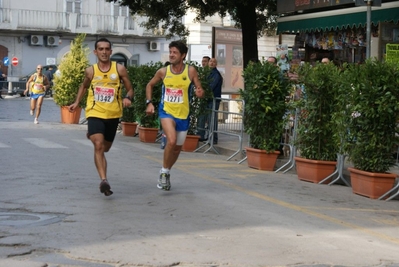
(340, 34)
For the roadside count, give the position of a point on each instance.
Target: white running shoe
(31, 112)
(164, 181)
(36, 121)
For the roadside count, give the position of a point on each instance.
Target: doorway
(119, 58)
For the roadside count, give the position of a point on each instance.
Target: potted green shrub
(69, 76)
(374, 102)
(140, 76)
(198, 107)
(316, 140)
(265, 106)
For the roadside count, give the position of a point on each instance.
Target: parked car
(21, 85)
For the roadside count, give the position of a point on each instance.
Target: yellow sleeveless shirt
(176, 93)
(38, 85)
(104, 99)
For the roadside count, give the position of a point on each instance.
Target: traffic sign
(14, 61)
(6, 61)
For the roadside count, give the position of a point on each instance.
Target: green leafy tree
(265, 104)
(254, 17)
(318, 136)
(72, 68)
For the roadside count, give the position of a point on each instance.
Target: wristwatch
(148, 102)
(128, 97)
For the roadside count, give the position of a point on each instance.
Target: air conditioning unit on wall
(52, 40)
(36, 40)
(154, 46)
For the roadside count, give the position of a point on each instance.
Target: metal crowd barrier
(293, 151)
(12, 87)
(292, 132)
(229, 123)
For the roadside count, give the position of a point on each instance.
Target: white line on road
(43, 143)
(2, 145)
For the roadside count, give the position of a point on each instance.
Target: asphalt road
(218, 212)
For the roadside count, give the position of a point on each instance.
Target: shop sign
(286, 6)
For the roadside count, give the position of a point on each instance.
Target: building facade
(41, 33)
(338, 29)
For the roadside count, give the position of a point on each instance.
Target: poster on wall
(221, 54)
(227, 44)
(237, 56)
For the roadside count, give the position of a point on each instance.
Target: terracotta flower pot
(70, 117)
(260, 159)
(129, 128)
(370, 184)
(314, 170)
(191, 143)
(148, 135)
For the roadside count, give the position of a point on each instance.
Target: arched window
(119, 58)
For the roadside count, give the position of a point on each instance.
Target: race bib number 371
(102, 94)
(173, 95)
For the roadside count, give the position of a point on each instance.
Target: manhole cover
(27, 219)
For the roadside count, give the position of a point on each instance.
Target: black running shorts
(107, 127)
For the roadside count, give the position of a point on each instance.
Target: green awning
(330, 23)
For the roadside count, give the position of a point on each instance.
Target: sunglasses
(39, 68)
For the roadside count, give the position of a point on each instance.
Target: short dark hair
(275, 59)
(102, 40)
(208, 58)
(180, 45)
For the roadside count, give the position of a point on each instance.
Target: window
(74, 6)
(118, 10)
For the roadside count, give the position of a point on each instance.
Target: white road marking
(2, 145)
(43, 143)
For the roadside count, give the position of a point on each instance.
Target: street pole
(368, 34)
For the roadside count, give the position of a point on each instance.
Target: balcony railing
(31, 20)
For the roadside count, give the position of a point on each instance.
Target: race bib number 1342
(102, 94)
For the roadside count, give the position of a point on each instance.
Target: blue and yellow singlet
(176, 93)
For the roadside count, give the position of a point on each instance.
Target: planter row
(372, 185)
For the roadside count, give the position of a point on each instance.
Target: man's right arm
(148, 89)
(83, 88)
(156, 79)
(28, 83)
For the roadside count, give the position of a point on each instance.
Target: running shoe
(36, 121)
(164, 181)
(105, 188)
(31, 112)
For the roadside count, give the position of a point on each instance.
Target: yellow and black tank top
(175, 93)
(38, 84)
(104, 99)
